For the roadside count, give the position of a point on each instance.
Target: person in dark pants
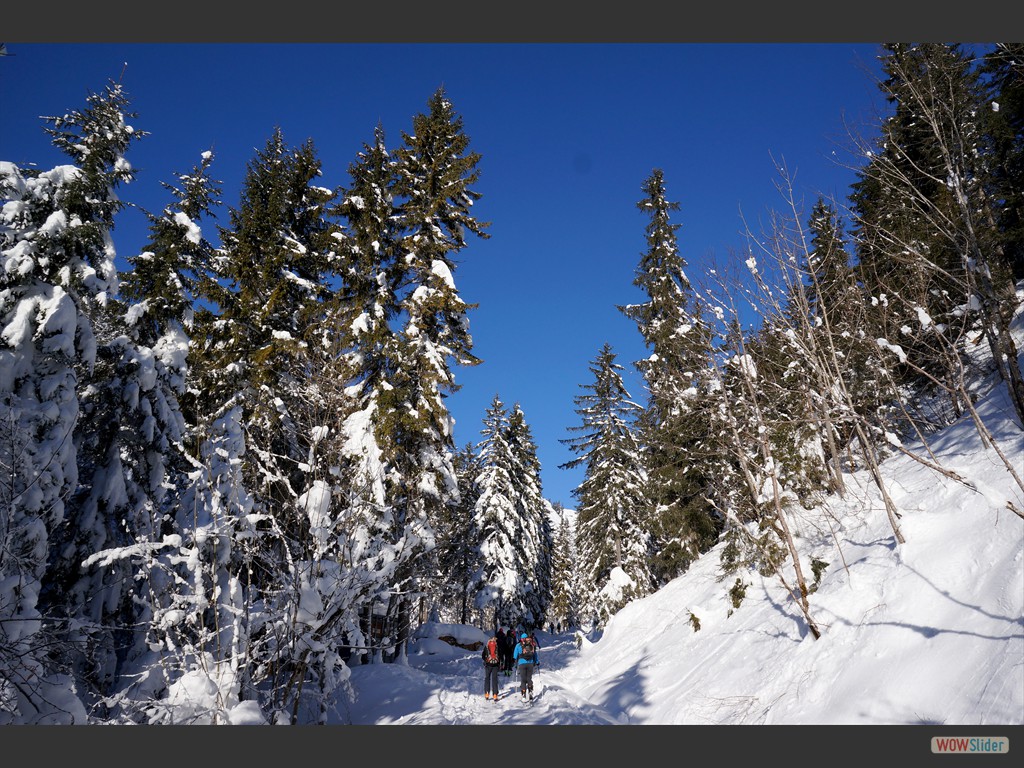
(502, 636)
(506, 652)
(492, 663)
(527, 659)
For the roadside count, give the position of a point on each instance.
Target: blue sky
(567, 133)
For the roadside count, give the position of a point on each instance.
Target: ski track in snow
(460, 694)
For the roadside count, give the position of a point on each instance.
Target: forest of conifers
(233, 457)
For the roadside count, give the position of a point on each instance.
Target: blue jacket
(518, 651)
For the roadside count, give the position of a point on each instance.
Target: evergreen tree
(826, 266)
(792, 408)
(507, 548)
(366, 337)
(565, 605)
(754, 486)
(435, 177)
(458, 544)
(201, 631)
(512, 520)
(260, 347)
(612, 540)
(160, 290)
(901, 257)
(852, 385)
(171, 511)
(367, 301)
(269, 297)
(1003, 70)
(58, 275)
(535, 512)
(166, 280)
(400, 323)
(923, 206)
(735, 461)
(673, 425)
(435, 173)
(804, 352)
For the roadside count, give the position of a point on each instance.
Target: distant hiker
(527, 659)
(506, 652)
(501, 634)
(579, 641)
(492, 662)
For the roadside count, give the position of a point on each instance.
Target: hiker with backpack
(492, 662)
(527, 659)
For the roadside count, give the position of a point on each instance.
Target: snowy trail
(458, 698)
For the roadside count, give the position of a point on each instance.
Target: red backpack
(491, 651)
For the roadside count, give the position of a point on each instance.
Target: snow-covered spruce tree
(900, 257)
(855, 386)
(847, 387)
(199, 630)
(791, 350)
(788, 400)
(924, 204)
(507, 550)
(612, 540)
(38, 409)
(363, 353)
(1003, 76)
(755, 491)
(436, 172)
(673, 424)
(269, 300)
(131, 422)
(163, 288)
(259, 347)
(180, 531)
(32, 689)
(457, 550)
(205, 629)
(164, 280)
(192, 546)
(535, 512)
(565, 605)
(58, 275)
(349, 560)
